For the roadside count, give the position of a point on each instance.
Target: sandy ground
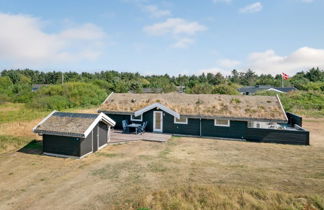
(121, 173)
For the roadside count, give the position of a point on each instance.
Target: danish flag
(284, 76)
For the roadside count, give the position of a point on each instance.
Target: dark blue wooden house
(251, 118)
(74, 134)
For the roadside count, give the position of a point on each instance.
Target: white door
(157, 121)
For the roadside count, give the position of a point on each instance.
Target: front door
(157, 121)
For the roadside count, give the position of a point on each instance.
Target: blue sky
(158, 37)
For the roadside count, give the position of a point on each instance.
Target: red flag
(284, 76)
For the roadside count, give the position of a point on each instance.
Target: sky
(159, 37)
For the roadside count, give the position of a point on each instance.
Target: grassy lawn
(17, 122)
(184, 173)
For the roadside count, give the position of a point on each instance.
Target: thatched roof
(203, 105)
(70, 124)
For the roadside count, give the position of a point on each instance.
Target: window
(219, 122)
(138, 118)
(181, 120)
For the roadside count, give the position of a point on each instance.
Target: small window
(138, 118)
(225, 123)
(181, 120)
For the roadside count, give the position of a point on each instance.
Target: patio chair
(125, 126)
(141, 129)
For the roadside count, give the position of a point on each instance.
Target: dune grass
(223, 197)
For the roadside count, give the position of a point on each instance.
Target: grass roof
(208, 105)
(71, 124)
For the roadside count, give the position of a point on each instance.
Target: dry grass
(184, 173)
(202, 104)
(181, 174)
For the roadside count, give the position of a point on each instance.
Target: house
(255, 118)
(74, 134)
(36, 87)
(250, 90)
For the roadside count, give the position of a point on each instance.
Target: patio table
(134, 125)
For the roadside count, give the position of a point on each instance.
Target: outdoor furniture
(135, 126)
(125, 126)
(141, 129)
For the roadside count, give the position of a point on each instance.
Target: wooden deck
(117, 136)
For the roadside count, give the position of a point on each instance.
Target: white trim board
(184, 123)
(158, 130)
(282, 109)
(222, 125)
(100, 117)
(274, 89)
(159, 106)
(138, 120)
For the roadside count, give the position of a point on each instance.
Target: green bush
(50, 103)
(225, 89)
(69, 95)
(303, 102)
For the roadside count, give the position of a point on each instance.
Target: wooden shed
(74, 134)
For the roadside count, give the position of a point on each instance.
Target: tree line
(80, 88)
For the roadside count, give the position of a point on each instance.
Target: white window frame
(138, 120)
(184, 123)
(222, 125)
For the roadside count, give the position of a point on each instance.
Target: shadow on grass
(34, 147)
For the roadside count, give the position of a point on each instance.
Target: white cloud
(154, 11)
(175, 26)
(307, 1)
(23, 42)
(222, 1)
(228, 63)
(179, 29)
(270, 63)
(183, 43)
(252, 8)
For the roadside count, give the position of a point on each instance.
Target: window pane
(181, 120)
(222, 122)
(136, 118)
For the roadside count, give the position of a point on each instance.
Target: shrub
(225, 89)
(69, 95)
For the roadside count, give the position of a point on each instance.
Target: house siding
(237, 129)
(294, 119)
(118, 118)
(86, 145)
(61, 145)
(278, 136)
(103, 134)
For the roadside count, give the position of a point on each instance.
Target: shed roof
(202, 105)
(70, 124)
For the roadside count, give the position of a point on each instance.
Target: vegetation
(309, 103)
(212, 197)
(86, 89)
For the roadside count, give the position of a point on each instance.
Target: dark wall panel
(237, 129)
(103, 133)
(294, 119)
(118, 119)
(278, 136)
(95, 139)
(86, 145)
(192, 128)
(61, 145)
